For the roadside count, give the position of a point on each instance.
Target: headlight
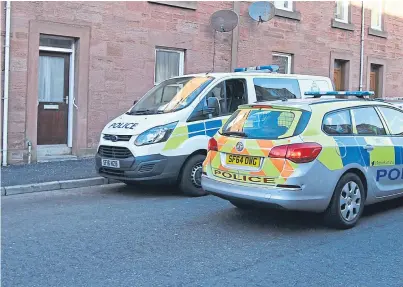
(155, 135)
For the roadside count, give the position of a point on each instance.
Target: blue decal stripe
(398, 155)
(196, 127)
(351, 151)
(213, 124)
(211, 132)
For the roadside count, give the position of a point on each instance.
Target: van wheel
(347, 204)
(190, 181)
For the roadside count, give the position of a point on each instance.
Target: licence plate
(110, 163)
(242, 160)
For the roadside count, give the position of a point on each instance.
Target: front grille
(111, 171)
(114, 152)
(117, 138)
(147, 167)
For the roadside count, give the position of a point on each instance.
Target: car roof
(325, 103)
(256, 74)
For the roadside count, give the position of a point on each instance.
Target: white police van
(164, 136)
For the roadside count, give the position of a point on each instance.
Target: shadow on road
(145, 191)
(386, 206)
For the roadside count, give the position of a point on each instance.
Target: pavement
(116, 236)
(38, 177)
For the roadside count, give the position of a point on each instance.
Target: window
(168, 64)
(283, 5)
(270, 89)
(376, 15)
(394, 119)
(342, 11)
(338, 123)
(283, 61)
(367, 122)
(229, 95)
(266, 124)
(55, 41)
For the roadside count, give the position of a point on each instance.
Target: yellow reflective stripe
(178, 136)
(383, 152)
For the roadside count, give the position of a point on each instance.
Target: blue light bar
(270, 68)
(359, 94)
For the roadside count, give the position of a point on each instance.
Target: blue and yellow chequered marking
(188, 130)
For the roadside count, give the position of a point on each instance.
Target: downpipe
(29, 151)
(6, 83)
(362, 46)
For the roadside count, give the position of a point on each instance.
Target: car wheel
(190, 181)
(242, 205)
(347, 204)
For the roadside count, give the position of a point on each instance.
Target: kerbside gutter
(6, 82)
(362, 46)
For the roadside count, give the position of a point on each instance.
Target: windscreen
(265, 123)
(171, 95)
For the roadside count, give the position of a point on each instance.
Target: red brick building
(95, 58)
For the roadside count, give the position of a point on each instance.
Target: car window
(270, 89)
(265, 123)
(367, 122)
(394, 119)
(338, 123)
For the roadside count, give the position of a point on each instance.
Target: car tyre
(347, 203)
(190, 180)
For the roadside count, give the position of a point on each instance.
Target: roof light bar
(270, 68)
(359, 94)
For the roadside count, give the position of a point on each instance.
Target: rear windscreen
(266, 123)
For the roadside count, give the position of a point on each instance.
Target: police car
(164, 136)
(321, 155)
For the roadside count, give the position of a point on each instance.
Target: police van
(164, 136)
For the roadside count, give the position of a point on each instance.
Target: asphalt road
(114, 236)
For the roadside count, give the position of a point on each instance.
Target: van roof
(257, 74)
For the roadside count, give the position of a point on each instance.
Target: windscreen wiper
(139, 112)
(239, 134)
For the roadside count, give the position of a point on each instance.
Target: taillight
(212, 145)
(298, 153)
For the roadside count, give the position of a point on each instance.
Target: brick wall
(124, 36)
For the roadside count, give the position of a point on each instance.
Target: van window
(270, 89)
(307, 85)
(230, 94)
(267, 123)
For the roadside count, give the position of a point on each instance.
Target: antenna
(223, 21)
(261, 11)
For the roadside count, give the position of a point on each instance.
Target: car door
(394, 120)
(377, 149)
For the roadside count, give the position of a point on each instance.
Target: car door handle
(369, 147)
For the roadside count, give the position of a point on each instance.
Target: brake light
(298, 153)
(212, 145)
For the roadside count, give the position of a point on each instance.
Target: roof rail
(358, 94)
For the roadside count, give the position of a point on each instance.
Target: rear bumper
(143, 168)
(292, 199)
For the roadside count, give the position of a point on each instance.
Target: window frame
(346, 9)
(290, 5)
(355, 132)
(380, 16)
(385, 122)
(181, 61)
(289, 60)
(348, 110)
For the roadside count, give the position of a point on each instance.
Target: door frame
(71, 103)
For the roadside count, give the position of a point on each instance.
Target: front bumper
(143, 168)
(292, 199)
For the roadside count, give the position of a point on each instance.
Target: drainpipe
(29, 151)
(235, 37)
(362, 46)
(6, 82)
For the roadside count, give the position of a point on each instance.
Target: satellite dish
(224, 20)
(261, 11)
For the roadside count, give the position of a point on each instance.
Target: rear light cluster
(212, 145)
(298, 153)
